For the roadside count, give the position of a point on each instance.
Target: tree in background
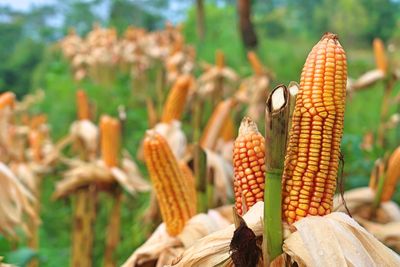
(200, 19)
(249, 37)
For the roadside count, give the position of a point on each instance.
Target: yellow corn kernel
(176, 100)
(171, 187)
(313, 150)
(249, 167)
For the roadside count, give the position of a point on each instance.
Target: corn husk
(174, 135)
(162, 249)
(222, 172)
(367, 79)
(16, 202)
(88, 132)
(331, 240)
(386, 223)
(83, 174)
(336, 240)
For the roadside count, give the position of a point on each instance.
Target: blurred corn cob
(249, 167)
(392, 176)
(175, 103)
(172, 188)
(216, 122)
(110, 140)
(83, 106)
(312, 159)
(380, 55)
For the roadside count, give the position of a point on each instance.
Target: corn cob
(219, 59)
(191, 180)
(392, 175)
(171, 187)
(249, 167)
(35, 142)
(7, 99)
(312, 158)
(380, 55)
(83, 106)
(256, 65)
(110, 129)
(176, 100)
(228, 130)
(216, 122)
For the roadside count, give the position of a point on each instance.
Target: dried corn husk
(88, 132)
(161, 248)
(336, 240)
(83, 174)
(15, 202)
(386, 223)
(174, 135)
(222, 172)
(367, 79)
(331, 240)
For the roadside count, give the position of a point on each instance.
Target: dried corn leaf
(222, 173)
(162, 249)
(336, 240)
(86, 131)
(213, 249)
(368, 79)
(15, 202)
(386, 222)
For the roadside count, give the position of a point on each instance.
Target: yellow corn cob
(380, 55)
(219, 59)
(7, 99)
(171, 187)
(249, 167)
(312, 158)
(228, 130)
(216, 122)
(110, 140)
(176, 100)
(191, 180)
(83, 106)
(255, 63)
(35, 142)
(392, 175)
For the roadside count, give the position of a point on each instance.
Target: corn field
(143, 152)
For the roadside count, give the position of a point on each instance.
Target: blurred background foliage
(286, 31)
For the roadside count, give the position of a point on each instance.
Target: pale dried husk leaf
(387, 225)
(163, 249)
(174, 135)
(222, 172)
(368, 79)
(16, 202)
(82, 174)
(331, 240)
(336, 240)
(88, 132)
(213, 249)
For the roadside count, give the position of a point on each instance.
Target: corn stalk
(276, 133)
